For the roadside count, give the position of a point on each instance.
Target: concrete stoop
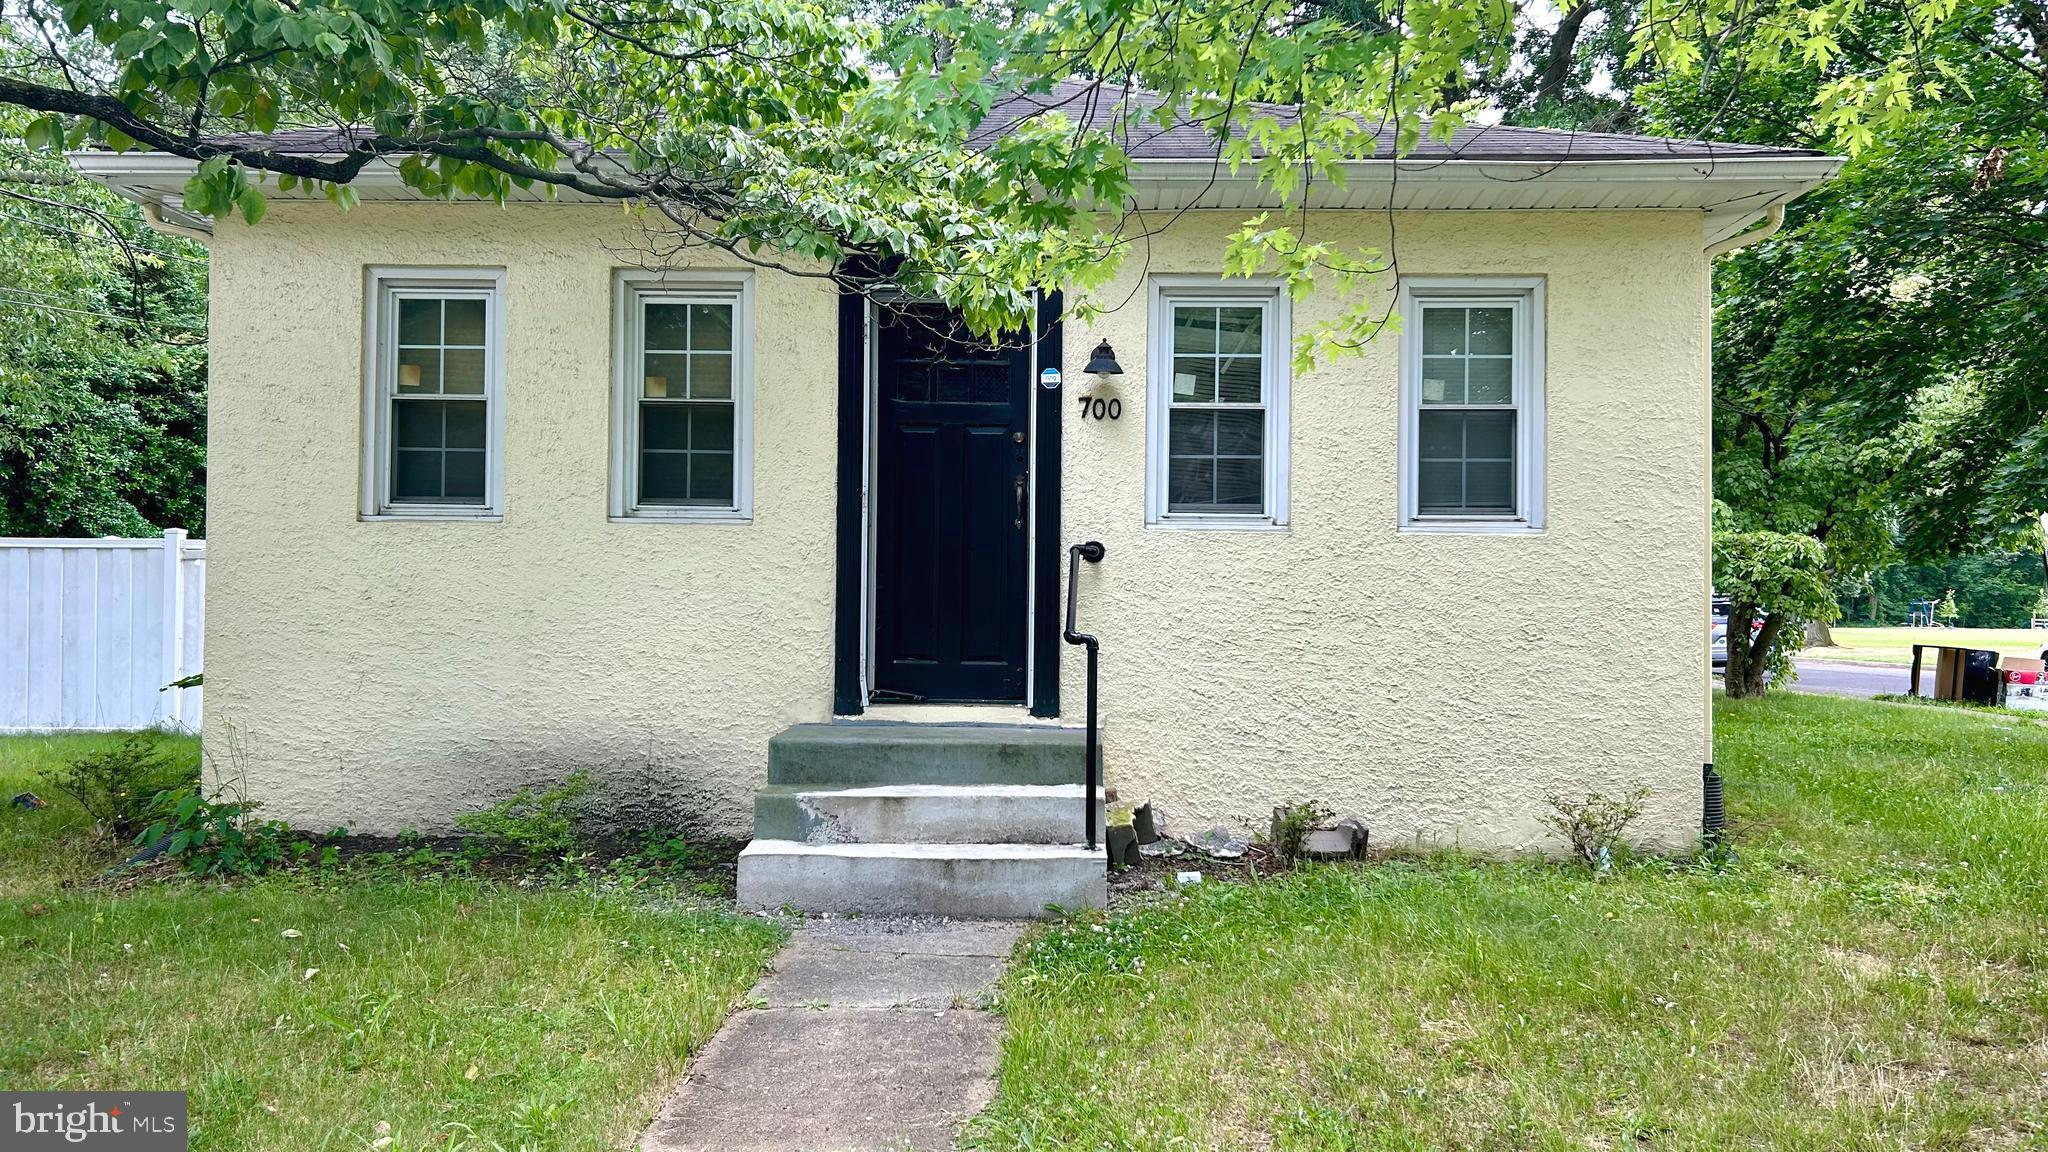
(965, 820)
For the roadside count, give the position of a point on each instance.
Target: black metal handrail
(1092, 552)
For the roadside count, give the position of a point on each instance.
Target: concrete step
(994, 881)
(845, 755)
(924, 814)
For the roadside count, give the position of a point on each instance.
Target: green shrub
(217, 837)
(1291, 825)
(527, 824)
(119, 785)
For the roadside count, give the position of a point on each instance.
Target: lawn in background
(301, 1012)
(1870, 972)
(1895, 645)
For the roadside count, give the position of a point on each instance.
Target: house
(489, 503)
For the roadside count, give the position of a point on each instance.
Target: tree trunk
(1818, 635)
(1748, 650)
(1557, 67)
(1876, 605)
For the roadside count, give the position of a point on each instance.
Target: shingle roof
(1104, 106)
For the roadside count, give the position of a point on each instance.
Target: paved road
(1839, 679)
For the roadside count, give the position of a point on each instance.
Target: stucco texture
(389, 674)
(1438, 686)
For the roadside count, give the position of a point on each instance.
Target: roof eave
(158, 179)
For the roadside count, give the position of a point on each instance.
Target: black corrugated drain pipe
(1713, 812)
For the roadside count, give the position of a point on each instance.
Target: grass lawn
(300, 1011)
(1895, 645)
(1871, 972)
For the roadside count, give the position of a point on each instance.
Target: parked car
(1719, 633)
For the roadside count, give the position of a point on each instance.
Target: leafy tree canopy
(102, 360)
(809, 132)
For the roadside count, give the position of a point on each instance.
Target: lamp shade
(1103, 361)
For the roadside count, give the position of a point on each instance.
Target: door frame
(854, 585)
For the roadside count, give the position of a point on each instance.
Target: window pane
(1443, 436)
(1489, 435)
(1489, 489)
(1491, 331)
(1194, 379)
(664, 426)
(711, 427)
(1440, 491)
(416, 475)
(665, 376)
(1443, 380)
(1240, 484)
(1240, 331)
(1491, 380)
(1190, 483)
(1238, 380)
(465, 320)
(1194, 329)
(1467, 465)
(463, 474)
(465, 421)
(711, 376)
(462, 371)
(419, 321)
(710, 326)
(1240, 433)
(1443, 331)
(711, 478)
(664, 477)
(416, 423)
(419, 370)
(1190, 433)
(668, 327)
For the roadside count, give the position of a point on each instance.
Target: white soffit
(1729, 193)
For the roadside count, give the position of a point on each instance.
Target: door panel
(952, 442)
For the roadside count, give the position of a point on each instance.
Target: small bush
(1291, 825)
(217, 837)
(1594, 825)
(532, 825)
(119, 786)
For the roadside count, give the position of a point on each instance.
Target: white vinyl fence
(93, 631)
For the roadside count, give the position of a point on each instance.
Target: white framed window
(1217, 404)
(1471, 404)
(683, 397)
(434, 393)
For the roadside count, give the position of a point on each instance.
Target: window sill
(1471, 528)
(434, 514)
(1217, 524)
(708, 517)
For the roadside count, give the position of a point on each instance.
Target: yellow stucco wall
(392, 674)
(1439, 686)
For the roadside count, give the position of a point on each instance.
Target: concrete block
(995, 881)
(854, 754)
(924, 814)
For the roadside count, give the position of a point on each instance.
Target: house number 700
(1096, 408)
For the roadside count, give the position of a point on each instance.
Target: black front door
(952, 438)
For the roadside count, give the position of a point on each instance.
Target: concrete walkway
(867, 1035)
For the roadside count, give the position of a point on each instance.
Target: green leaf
(250, 201)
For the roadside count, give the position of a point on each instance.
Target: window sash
(390, 462)
(1239, 465)
(1511, 459)
(670, 476)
